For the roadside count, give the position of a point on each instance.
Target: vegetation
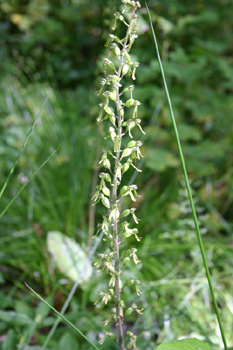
(52, 48)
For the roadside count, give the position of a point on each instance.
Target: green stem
(188, 188)
(26, 183)
(120, 334)
(22, 148)
(63, 317)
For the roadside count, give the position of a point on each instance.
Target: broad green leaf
(68, 342)
(10, 342)
(68, 255)
(189, 132)
(164, 24)
(185, 344)
(22, 307)
(6, 301)
(43, 310)
(160, 159)
(14, 318)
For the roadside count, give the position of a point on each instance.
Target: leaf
(185, 344)
(165, 25)
(189, 132)
(43, 310)
(14, 318)
(6, 301)
(10, 342)
(68, 342)
(22, 307)
(160, 159)
(68, 255)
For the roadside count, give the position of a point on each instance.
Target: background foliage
(54, 48)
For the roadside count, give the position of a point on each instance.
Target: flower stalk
(116, 162)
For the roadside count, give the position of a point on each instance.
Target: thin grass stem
(188, 187)
(30, 178)
(60, 315)
(71, 294)
(21, 150)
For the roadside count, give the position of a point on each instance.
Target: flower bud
(105, 202)
(129, 102)
(116, 51)
(107, 164)
(126, 152)
(129, 283)
(126, 261)
(125, 168)
(125, 69)
(128, 311)
(106, 191)
(126, 212)
(129, 334)
(132, 144)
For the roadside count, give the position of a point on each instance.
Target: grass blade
(188, 186)
(60, 315)
(30, 178)
(21, 150)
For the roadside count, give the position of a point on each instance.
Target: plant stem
(116, 245)
(115, 226)
(120, 49)
(117, 269)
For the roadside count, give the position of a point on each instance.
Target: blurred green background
(54, 48)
